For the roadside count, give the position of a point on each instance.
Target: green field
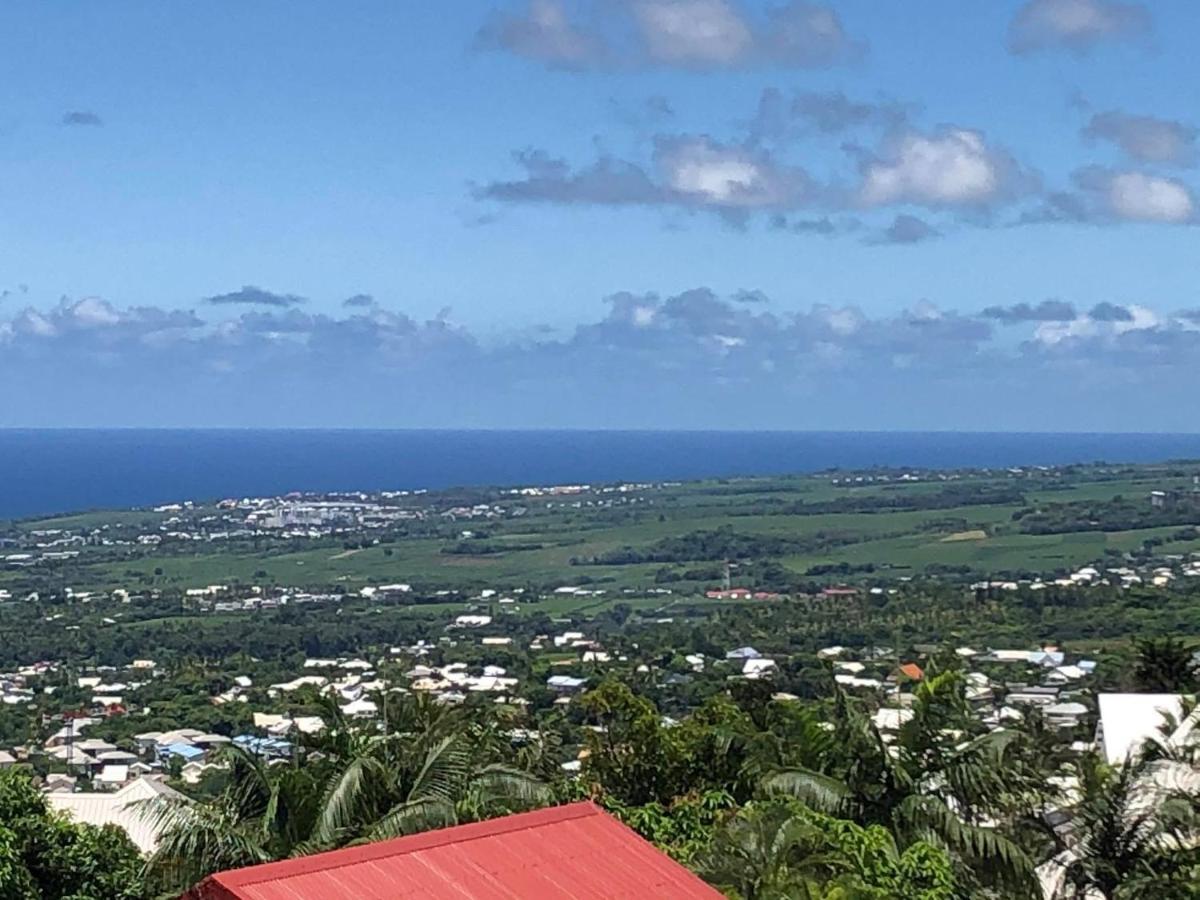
(895, 541)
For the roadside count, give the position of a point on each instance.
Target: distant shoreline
(48, 471)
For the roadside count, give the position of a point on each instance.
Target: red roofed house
(576, 851)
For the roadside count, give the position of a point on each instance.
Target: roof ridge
(422, 840)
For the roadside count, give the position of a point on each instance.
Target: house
(575, 851)
(116, 757)
(1064, 715)
(179, 736)
(113, 775)
(360, 707)
(757, 668)
(271, 748)
(95, 746)
(890, 719)
(1009, 656)
(127, 808)
(186, 752)
(56, 782)
(147, 740)
(743, 653)
(194, 772)
(209, 741)
(565, 683)
(1128, 720)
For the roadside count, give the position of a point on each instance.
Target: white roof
(120, 808)
(754, 667)
(308, 724)
(743, 653)
(888, 719)
(113, 774)
(210, 739)
(94, 745)
(116, 756)
(360, 708)
(1012, 655)
(1065, 709)
(1127, 720)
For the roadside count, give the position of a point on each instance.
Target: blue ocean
(46, 471)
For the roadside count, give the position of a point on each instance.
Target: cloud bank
(695, 35)
(692, 359)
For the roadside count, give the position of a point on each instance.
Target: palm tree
(928, 784)
(1166, 665)
(770, 853)
(1136, 826)
(264, 813)
(784, 850)
(1118, 843)
(430, 766)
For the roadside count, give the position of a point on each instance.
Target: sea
(44, 471)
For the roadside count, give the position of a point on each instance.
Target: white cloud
(92, 311)
(1084, 326)
(726, 177)
(1145, 138)
(1139, 197)
(643, 316)
(1075, 24)
(953, 168)
(718, 179)
(545, 33)
(692, 32)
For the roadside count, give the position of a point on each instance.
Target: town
(134, 677)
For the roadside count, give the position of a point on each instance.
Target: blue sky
(609, 213)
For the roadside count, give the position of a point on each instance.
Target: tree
(1128, 838)
(430, 766)
(927, 784)
(1166, 665)
(264, 813)
(44, 856)
(780, 849)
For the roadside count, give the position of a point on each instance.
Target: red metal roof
(576, 851)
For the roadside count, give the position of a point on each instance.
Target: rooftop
(576, 851)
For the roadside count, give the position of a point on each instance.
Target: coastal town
(135, 677)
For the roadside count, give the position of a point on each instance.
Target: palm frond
(820, 792)
(345, 797)
(443, 771)
(414, 816)
(927, 817)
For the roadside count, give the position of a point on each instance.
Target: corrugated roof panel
(573, 852)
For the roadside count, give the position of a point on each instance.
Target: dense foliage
(45, 857)
(764, 798)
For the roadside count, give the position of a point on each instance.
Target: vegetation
(969, 523)
(764, 798)
(429, 766)
(43, 856)
(782, 787)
